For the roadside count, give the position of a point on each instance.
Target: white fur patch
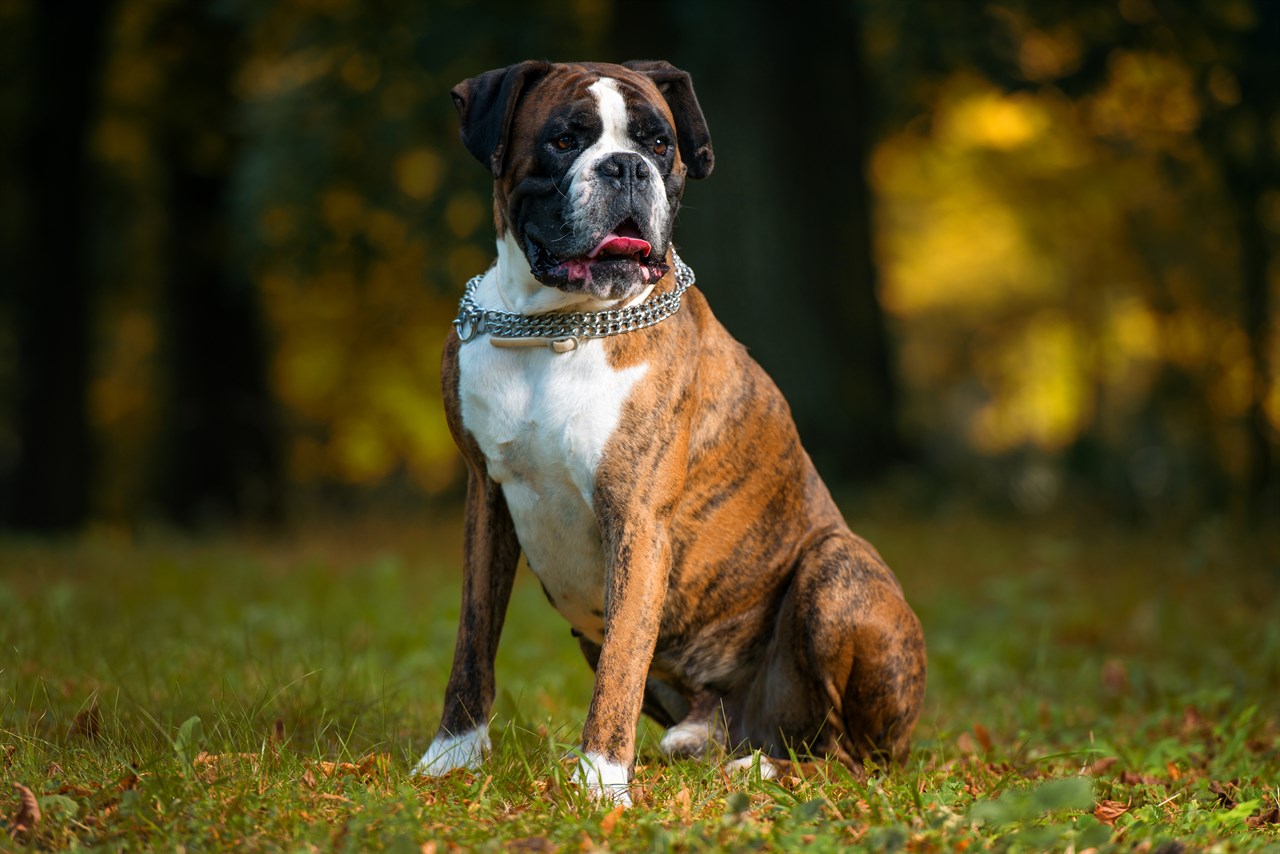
(448, 752)
(605, 780)
(542, 420)
(750, 764)
(690, 738)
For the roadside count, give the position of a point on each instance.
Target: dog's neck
(523, 294)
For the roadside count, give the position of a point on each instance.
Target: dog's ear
(691, 127)
(485, 106)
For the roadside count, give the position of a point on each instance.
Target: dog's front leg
(638, 565)
(490, 554)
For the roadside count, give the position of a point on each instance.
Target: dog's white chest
(542, 420)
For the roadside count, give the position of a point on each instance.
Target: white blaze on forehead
(613, 113)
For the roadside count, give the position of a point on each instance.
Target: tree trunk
(53, 475)
(220, 459)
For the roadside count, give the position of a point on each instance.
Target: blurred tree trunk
(220, 455)
(53, 474)
(781, 235)
(1239, 138)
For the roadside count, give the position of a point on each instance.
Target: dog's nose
(624, 167)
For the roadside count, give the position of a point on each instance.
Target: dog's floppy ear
(691, 127)
(485, 106)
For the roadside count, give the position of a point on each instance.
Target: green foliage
(1087, 692)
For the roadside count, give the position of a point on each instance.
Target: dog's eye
(564, 142)
(660, 146)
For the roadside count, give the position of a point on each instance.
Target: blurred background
(1020, 254)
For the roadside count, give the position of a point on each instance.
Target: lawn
(1089, 687)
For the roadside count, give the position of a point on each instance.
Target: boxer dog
(645, 465)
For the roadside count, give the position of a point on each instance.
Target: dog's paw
(448, 752)
(756, 763)
(690, 738)
(603, 779)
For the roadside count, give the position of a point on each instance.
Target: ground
(1090, 686)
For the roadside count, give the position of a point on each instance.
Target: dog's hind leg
(844, 674)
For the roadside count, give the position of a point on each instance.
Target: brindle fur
(733, 586)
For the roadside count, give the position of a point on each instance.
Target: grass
(1089, 688)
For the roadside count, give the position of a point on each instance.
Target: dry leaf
(984, 737)
(1108, 811)
(428, 848)
(1269, 815)
(1224, 797)
(611, 819)
(1100, 766)
(966, 743)
(28, 815)
(278, 731)
(9, 751)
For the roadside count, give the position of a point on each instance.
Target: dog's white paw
(689, 738)
(448, 752)
(757, 762)
(603, 779)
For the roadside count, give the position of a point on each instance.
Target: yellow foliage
(418, 173)
(277, 224)
(994, 120)
(465, 261)
(464, 214)
(360, 72)
(272, 76)
(1042, 388)
(343, 211)
(1146, 94)
(360, 453)
(124, 144)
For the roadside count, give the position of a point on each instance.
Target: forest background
(1023, 257)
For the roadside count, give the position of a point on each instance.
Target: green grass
(268, 694)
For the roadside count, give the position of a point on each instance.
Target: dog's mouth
(622, 257)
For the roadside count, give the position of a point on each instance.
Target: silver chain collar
(562, 331)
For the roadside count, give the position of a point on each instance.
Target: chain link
(472, 320)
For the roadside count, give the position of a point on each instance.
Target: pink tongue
(615, 245)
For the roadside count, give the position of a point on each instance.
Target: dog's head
(589, 162)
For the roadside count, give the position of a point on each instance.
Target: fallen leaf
(966, 743)
(984, 737)
(1269, 815)
(28, 815)
(1102, 765)
(1108, 811)
(1224, 797)
(611, 819)
(684, 805)
(9, 751)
